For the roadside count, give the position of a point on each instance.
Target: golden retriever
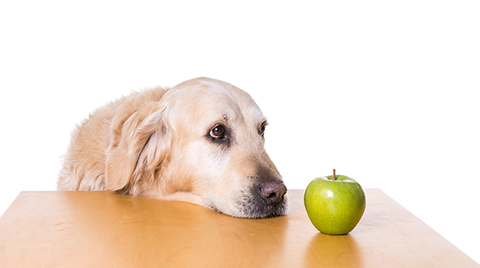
(201, 141)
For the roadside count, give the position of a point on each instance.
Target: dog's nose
(273, 191)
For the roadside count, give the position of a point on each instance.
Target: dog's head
(203, 138)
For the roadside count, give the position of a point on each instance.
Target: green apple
(334, 204)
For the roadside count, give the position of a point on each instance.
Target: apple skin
(334, 206)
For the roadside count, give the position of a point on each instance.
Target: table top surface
(102, 229)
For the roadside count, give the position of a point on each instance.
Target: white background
(384, 91)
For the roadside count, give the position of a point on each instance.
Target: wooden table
(101, 229)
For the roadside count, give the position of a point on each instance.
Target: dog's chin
(254, 207)
(262, 210)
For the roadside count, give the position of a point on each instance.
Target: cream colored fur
(155, 143)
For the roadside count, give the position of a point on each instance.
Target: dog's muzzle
(265, 200)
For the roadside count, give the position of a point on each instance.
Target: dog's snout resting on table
(201, 141)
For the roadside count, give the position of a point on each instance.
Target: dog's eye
(218, 132)
(261, 130)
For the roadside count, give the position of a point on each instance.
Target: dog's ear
(138, 146)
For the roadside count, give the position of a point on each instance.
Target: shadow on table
(333, 251)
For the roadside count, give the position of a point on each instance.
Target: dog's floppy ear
(138, 146)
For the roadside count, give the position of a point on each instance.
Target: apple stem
(334, 178)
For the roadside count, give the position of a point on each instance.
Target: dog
(201, 142)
